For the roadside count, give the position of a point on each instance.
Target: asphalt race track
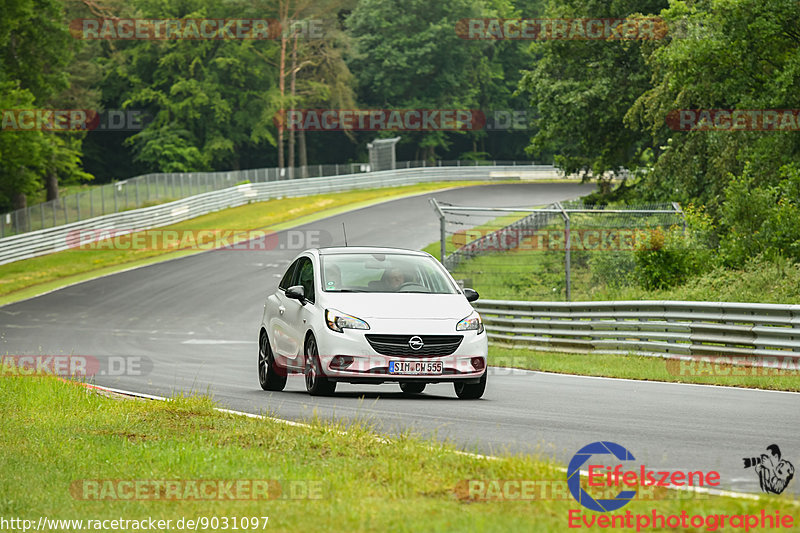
(193, 322)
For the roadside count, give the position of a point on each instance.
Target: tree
(24, 154)
(407, 55)
(723, 55)
(205, 95)
(36, 52)
(582, 90)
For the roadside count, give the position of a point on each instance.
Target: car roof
(367, 250)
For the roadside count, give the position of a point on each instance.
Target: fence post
(41, 213)
(567, 252)
(66, 214)
(567, 261)
(103, 199)
(442, 231)
(91, 203)
(677, 207)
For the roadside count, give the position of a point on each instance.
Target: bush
(667, 258)
(774, 280)
(612, 269)
(761, 220)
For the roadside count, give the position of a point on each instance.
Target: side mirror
(471, 295)
(296, 292)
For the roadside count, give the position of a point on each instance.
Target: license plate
(415, 367)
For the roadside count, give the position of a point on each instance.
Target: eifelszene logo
(606, 476)
(774, 473)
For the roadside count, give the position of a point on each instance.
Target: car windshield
(364, 272)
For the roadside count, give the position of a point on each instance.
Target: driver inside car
(394, 279)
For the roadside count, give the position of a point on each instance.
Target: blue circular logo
(574, 476)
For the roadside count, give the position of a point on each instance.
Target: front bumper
(466, 364)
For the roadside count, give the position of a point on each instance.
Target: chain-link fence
(153, 189)
(559, 252)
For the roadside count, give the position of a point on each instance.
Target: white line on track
(649, 381)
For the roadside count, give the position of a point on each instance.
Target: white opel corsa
(370, 315)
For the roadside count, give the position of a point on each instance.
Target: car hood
(400, 306)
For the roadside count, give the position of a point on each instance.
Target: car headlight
(472, 323)
(338, 321)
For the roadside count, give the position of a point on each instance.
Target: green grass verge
(646, 368)
(450, 245)
(55, 434)
(760, 280)
(27, 278)
(519, 275)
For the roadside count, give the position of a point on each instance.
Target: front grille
(433, 345)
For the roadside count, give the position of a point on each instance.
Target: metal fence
(672, 329)
(540, 253)
(153, 189)
(60, 238)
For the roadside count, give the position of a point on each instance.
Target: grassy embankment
(54, 435)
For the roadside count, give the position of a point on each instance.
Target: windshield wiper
(348, 290)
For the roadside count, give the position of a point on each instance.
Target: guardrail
(56, 239)
(152, 189)
(672, 329)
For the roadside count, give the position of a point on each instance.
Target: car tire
(470, 391)
(412, 387)
(270, 376)
(316, 382)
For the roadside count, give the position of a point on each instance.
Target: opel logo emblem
(415, 343)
